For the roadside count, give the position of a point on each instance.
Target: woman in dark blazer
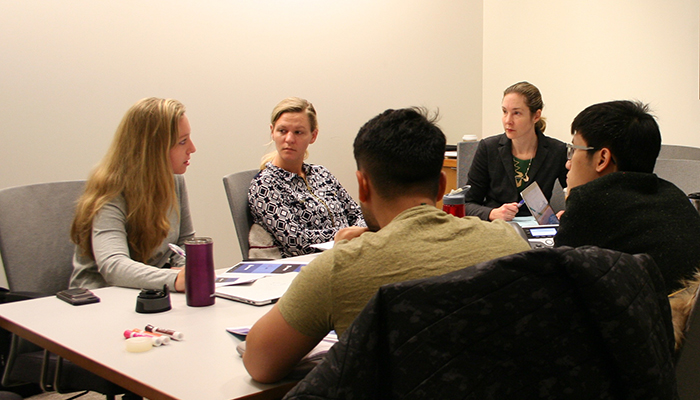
(506, 164)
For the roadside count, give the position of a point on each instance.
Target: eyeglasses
(571, 148)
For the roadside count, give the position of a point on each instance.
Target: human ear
(442, 185)
(537, 116)
(605, 162)
(362, 186)
(314, 135)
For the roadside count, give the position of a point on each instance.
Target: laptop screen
(538, 205)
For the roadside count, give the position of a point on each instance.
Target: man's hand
(350, 232)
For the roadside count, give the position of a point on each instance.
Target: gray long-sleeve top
(113, 265)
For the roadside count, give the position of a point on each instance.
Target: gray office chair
(465, 155)
(682, 173)
(673, 151)
(34, 235)
(236, 186)
(37, 255)
(558, 200)
(9, 396)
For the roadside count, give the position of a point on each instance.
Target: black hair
(626, 128)
(402, 152)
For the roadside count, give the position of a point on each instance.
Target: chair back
(674, 151)
(465, 155)
(682, 173)
(687, 371)
(558, 200)
(236, 186)
(549, 323)
(35, 244)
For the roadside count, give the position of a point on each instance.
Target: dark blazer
(562, 323)
(492, 176)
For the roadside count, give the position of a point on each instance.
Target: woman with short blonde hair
(299, 204)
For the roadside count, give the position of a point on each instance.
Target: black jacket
(492, 176)
(563, 323)
(635, 212)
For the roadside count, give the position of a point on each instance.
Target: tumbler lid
(199, 240)
(457, 198)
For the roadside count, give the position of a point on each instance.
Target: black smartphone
(78, 296)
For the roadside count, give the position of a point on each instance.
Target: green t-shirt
(420, 242)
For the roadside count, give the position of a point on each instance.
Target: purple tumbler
(199, 272)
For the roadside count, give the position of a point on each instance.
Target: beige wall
(585, 52)
(69, 70)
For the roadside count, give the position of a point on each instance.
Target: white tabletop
(203, 366)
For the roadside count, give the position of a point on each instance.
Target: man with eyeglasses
(615, 201)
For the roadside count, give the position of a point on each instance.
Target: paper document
(250, 271)
(538, 205)
(323, 246)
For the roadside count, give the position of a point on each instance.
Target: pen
(177, 249)
(521, 202)
(172, 333)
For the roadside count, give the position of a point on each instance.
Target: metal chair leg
(46, 381)
(14, 349)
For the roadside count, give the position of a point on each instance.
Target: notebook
(267, 289)
(538, 205)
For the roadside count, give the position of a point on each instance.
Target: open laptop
(265, 290)
(538, 205)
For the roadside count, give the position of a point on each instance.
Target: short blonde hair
(293, 105)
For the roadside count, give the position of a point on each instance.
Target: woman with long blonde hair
(299, 204)
(135, 203)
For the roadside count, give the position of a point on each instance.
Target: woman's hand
(505, 212)
(180, 280)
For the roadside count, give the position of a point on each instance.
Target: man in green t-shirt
(399, 156)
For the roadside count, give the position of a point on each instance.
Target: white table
(203, 366)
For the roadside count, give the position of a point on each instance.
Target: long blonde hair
(293, 105)
(137, 166)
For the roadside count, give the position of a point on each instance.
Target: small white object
(324, 246)
(138, 344)
(469, 138)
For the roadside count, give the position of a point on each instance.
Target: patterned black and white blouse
(299, 213)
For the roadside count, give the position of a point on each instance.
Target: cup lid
(452, 199)
(199, 240)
